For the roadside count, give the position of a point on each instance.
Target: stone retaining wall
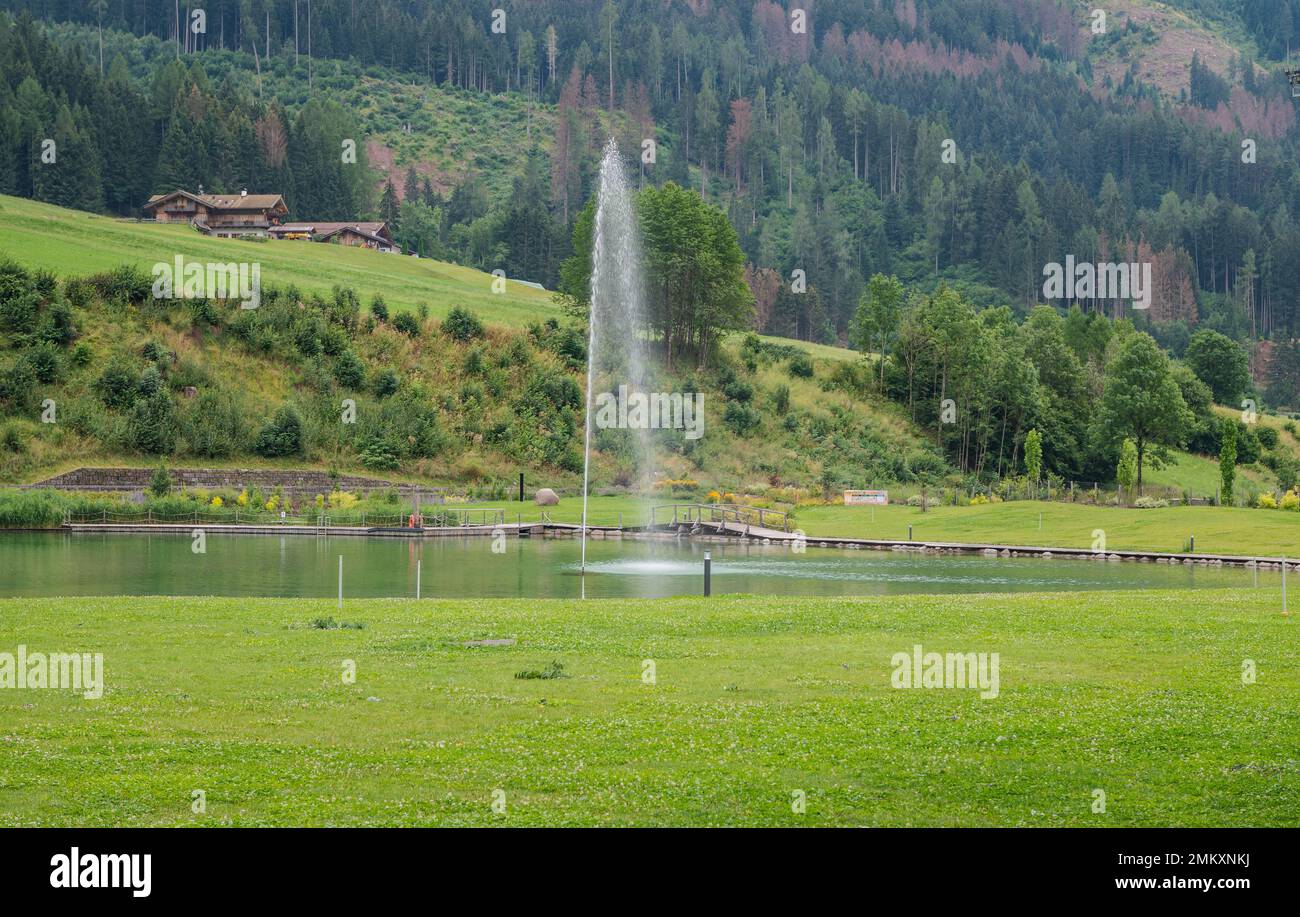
(135, 479)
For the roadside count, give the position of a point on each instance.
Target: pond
(61, 563)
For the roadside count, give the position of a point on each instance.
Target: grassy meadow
(1218, 529)
(74, 244)
(1137, 694)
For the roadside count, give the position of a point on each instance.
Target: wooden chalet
(240, 214)
(372, 235)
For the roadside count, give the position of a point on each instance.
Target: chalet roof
(225, 201)
(371, 230)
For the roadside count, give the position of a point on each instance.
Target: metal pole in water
(586, 438)
(708, 574)
(340, 582)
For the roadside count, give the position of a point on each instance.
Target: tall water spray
(616, 344)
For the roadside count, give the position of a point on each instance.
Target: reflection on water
(303, 565)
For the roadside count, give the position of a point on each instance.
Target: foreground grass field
(1139, 695)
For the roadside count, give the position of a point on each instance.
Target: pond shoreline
(731, 536)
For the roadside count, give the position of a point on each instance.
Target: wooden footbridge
(721, 519)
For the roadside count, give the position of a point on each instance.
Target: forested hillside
(825, 145)
(950, 150)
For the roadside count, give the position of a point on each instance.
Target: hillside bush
(281, 435)
(800, 366)
(407, 323)
(462, 325)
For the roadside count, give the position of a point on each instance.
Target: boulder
(546, 497)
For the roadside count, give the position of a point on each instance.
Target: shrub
(151, 382)
(124, 283)
(307, 338)
(1267, 437)
(117, 385)
(800, 366)
(282, 434)
(18, 314)
(11, 440)
(44, 361)
(349, 370)
(979, 500)
(738, 391)
(154, 352)
(1291, 501)
(386, 383)
(781, 399)
(333, 340)
(59, 329)
(379, 308)
(81, 355)
(462, 325)
(1150, 503)
(407, 323)
(378, 455)
(1248, 445)
(1266, 501)
(213, 425)
(160, 482)
(151, 425)
(741, 418)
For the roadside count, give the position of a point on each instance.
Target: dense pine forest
(897, 172)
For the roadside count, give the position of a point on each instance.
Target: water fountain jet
(616, 323)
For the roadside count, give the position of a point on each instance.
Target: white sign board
(866, 497)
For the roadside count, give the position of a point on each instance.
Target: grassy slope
(72, 243)
(1138, 694)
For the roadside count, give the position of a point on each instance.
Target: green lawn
(1218, 530)
(1139, 695)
